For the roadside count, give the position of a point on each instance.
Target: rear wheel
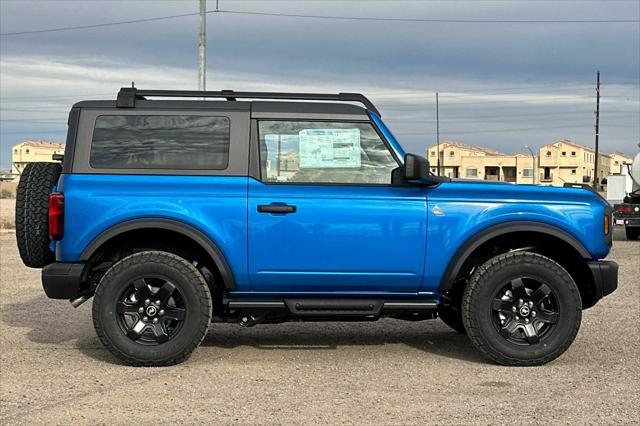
(152, 309)
(32, 213)
(522, 309)
(632, 233)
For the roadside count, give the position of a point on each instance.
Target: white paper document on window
(329, 148)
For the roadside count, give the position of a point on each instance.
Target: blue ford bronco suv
(175, 213)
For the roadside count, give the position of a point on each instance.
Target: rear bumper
(605, 277)
(63, 280)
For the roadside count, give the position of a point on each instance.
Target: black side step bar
(328, 307)
(334, 307)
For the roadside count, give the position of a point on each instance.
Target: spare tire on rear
(32, 213)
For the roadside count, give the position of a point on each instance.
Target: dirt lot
(7, 213)
(55, 371)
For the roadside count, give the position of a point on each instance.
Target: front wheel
(522, 309)
(152, 309)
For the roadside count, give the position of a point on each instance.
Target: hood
(493, 190)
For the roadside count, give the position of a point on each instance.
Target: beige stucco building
(565, 161)
(473, 162)
(555, 164)
(618, 161)
(31, 151)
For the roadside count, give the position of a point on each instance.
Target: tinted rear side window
(188, 142)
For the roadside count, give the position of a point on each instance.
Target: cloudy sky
(503, 85)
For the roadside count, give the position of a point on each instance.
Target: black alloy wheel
(521, 308)
(525, 311)
(151, 311)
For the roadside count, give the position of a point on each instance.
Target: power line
(448, 21)
(328, 17)
(106, 24)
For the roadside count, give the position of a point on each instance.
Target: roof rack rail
(127, 96)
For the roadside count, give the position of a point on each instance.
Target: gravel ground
(55, 371)
(7, 213)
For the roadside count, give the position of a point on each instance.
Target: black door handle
(276, 208)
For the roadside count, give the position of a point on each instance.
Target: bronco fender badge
(436, 211)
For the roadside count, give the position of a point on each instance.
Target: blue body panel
(355, 240)
(217, 206)
(341, 239)
(459, 210)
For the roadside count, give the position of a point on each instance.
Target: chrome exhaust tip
(78, 301)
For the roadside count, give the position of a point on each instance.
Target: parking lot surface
(55, 371)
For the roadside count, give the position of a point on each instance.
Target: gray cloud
(399, 65)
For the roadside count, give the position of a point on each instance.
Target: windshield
(388, 136)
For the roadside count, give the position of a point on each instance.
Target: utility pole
(595, 167)
(202, 47)
(438, 131)
(533, 158)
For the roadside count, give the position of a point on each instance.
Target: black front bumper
(605, 277)
(63, 280)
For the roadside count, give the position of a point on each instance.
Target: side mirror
(416, 170)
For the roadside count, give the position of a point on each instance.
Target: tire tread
(171, 260)
(485, 271)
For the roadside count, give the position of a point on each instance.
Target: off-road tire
(32, 213)
(184, 276)
(478, 298)
(452, 317)
(632, 233)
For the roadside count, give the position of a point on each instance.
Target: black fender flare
(463, 253)
(188, 231)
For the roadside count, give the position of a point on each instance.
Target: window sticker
(329, 148)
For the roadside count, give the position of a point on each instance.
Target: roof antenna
(133, 85)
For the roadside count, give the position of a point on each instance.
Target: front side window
(323, 152)
(182, 142)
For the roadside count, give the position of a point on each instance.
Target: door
(324, 217)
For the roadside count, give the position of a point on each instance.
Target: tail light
(56, 216)
(606, 224)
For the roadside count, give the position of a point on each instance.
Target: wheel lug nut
(514, 309)
(141, 309)
(158, 302)
(146, 302)
(155, 320)
(520, 302)
(530, 303)
(533, 313)
(526, 320)
(145, 319)
(161, 312)
(517, 317)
